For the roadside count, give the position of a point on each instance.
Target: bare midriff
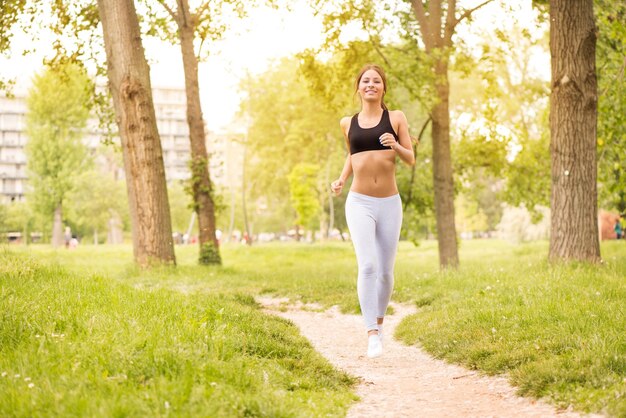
(374, 173)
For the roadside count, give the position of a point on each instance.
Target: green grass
(310, 273)
(557, 331)
(86, 345)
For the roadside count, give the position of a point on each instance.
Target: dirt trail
(405, 381)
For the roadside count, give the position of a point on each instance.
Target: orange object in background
(606, 224)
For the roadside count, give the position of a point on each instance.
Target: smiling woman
(374, 137)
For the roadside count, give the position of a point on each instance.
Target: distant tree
(502, 152)
(611, 63)
(331, 83)
(425, 33)
(283, 133)
(19, 217)
(10, 12)
(181, 207)
(573, 122)
(57, 114)
(129, 83)
(437, 21)
(96, 199)
(304, 193)
(191, 28)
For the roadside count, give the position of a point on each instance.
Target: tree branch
(450, 23)
(168, 8)
(201, 10)
(423, 20)
(183, 13)
(434, 8)
(375, 45)
(199, 53)
(419, 136)
(469, 12)
(416, 142)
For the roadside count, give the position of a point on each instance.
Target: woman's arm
(346, 172)
(403, 148)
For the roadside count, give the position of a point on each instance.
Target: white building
(170, 107)
(226, 155)
(12, 156)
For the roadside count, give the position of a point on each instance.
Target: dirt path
(405, 381)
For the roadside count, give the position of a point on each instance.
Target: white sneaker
(380, 332)
(374, 346)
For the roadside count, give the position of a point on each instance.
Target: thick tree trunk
(573, 121)
(57, 226)
(442, 171)
(436, 30)
(201, 182)
(129, 81)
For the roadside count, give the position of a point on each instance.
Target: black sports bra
(368, 139)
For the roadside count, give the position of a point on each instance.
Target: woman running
(374, 137)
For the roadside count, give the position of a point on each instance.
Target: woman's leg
(362, 226)
(388, 225)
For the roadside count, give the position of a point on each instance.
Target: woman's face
(371, 86)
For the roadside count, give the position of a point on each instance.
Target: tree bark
(573, 122)
(57, 227)
(437, 36)
(442, 171)
(201, 181)
(129, 82)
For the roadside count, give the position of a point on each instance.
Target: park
(179, 234)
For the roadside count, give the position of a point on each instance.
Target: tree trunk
(57, 227)
(129, 82)
(442, 171)
(573, 121)
(201, 182)
(436, 31)
(114, 233)
(331, 214)
(243, 195)
(231, 225)
(331, 205)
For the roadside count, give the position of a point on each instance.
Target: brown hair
(380, 71)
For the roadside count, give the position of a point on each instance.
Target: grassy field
(167, 340)
(83, 344)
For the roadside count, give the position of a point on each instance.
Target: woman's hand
(336, 186)
(387, 139)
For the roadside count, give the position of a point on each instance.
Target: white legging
(374, 224)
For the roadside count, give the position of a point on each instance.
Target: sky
(251, 46)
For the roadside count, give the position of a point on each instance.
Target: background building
(225, 150)
(12, 156)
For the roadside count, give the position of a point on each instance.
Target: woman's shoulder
(345, 121)
(397, 115)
